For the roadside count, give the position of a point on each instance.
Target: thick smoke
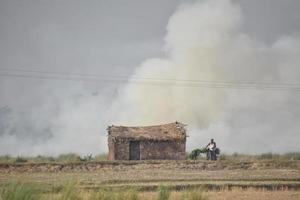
(204, 41)
(197, 36)
(65, 121)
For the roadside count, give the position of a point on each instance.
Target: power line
(47, 75)
(156, 83)
(146, 78)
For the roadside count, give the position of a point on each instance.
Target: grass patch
(163, 193)
(105, 193)
(69, 192)
(100, 157)
(16, 191)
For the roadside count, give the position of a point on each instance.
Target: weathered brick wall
(122, 150)
(172, 150)
(111, 149)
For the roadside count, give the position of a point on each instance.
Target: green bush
(196, 152)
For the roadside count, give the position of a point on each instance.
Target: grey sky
(96, 37)
(82, 36)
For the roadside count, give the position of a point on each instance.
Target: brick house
(167, 141)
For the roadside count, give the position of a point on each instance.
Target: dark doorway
(134, 150)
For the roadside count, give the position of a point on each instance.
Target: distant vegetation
(199, 154)
(264, 156)
(72, 157)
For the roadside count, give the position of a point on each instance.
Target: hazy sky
(40, 114)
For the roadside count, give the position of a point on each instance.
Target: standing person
(211, 147)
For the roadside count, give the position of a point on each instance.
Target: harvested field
(149, 175)
(236, 195)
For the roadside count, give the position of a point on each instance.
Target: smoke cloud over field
(204, 42)
(221, 81)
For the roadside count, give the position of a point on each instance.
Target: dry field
(260, 179)
(236, 194)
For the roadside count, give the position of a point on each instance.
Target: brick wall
(122, 150)
(111, 149)
(169, 150)
(149, 150)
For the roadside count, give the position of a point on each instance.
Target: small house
(167, 141)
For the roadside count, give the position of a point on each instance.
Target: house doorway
(134, 150)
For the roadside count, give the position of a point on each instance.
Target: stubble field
(225, 179)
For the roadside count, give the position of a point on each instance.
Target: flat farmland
(218, 180)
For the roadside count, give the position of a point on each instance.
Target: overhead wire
(50, 75)
(142, 78)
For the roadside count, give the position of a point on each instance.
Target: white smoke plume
(204, 41)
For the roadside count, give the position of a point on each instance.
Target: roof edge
(176, 122)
